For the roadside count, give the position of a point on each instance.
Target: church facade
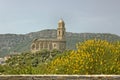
(59, 43)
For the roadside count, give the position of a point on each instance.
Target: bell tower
(61, 30)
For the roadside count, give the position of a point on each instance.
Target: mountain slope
(13, 43)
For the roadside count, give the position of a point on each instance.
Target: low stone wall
(60, 77)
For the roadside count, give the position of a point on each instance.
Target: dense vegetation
(13, 43)
(91, 57)
(24, 63)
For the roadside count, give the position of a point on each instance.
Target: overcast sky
(24, 16)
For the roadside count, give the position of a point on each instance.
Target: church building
(59, 43)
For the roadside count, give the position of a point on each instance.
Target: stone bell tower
(61, 30)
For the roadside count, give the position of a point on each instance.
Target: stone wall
(60, 77)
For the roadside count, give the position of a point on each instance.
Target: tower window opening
(59, 32)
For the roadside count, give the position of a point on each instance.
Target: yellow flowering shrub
(91, 57)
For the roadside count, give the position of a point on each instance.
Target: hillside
(13, 43)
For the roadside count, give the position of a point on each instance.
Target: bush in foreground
(91, 57)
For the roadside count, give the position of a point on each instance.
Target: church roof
(56, 40)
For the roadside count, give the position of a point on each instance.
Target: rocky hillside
(13, 43)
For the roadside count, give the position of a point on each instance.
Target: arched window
(33, 46)
(54, 45)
